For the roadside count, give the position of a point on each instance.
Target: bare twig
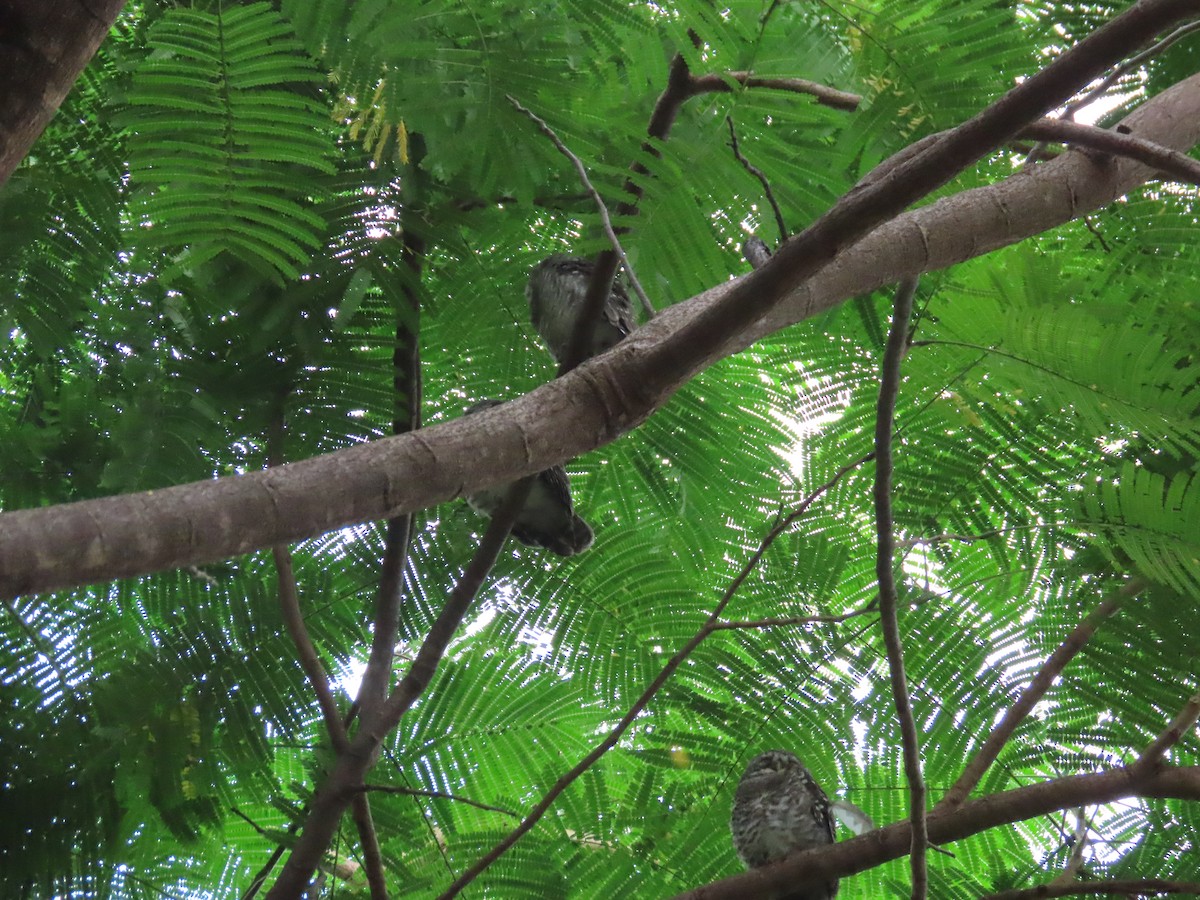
(1183, 722)
(436, 795)
(1172, 162)
(1037, 688)
(339, 787)
(605, 221)
(1122, 888)
(885, 414)
(762, 179)
(723, 84)
(973, 817)
(1128, 66)
(664, 674)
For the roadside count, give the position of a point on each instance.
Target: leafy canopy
(208, 234)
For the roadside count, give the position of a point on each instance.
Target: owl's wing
(618, 311)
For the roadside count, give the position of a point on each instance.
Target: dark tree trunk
(44, 44)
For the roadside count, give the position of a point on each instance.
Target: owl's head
(773, 762)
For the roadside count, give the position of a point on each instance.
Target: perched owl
(778, 810)
(547, 519)
(556, 291)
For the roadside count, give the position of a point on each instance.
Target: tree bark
(44, 45)
(98, 540)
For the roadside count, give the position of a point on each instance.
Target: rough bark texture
(99, 540)
(44, 45)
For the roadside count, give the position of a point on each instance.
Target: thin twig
(885, 415)
(723, 84)
(1124, 888)
(1183, 722)
(436, 795)
(758, 173)
(1050, 670)
(605, 221)
(647, 695)
(1172, 162)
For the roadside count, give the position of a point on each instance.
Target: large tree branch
(892, 841)
(95, 540)
(44, 45)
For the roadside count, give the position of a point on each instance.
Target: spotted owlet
(548, 518)
(556, 291)
(778, 809)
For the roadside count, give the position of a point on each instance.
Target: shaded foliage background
(210, 225)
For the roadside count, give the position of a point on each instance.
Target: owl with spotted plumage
(778, 809)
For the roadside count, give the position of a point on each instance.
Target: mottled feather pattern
(556, 291)
(778, 809)
(548, 517)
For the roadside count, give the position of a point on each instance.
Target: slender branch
(539, 809)
(1050, 670)
(666, 109)
(340, 785)
(437, 795)
(885, 416)
(1183, 722)
(406, 391)
(1172, 162)
(1128, 66)
(1124, 888)
(318, 679)
(973, 817)
(293, 620)
(723, 84)
(762, 179)
(605, 221)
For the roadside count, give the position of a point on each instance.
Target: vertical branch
(885, 414)
(406, 386)
(318, 679)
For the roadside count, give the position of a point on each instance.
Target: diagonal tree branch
(1172, 162)
(318, 679)
(610, 740)
(885, 418)
(1184, 721)
(1050, 670)
(605, 221)
(723, 83)
(46, 46)
(1123, 888)
(666, 109)
(95, 540)
(893, 841)
(341, 784)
